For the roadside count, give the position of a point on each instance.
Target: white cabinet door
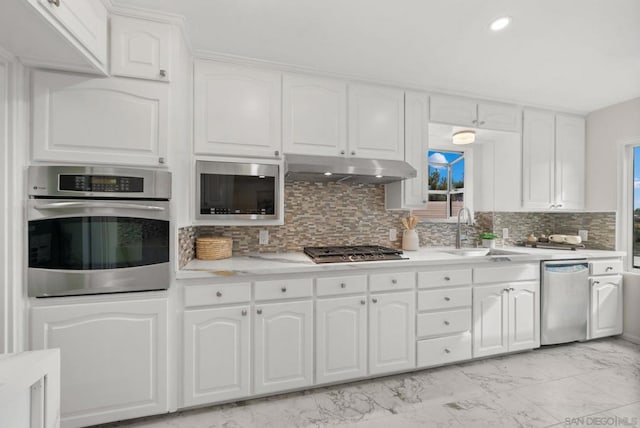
(376, 122)
(237, 110)
(500, 117)
(416, 147)
(216, 355)
(491, 320)
(88, 120)
(570, 159)
(341, 339)
(283, 357)
(392, 336)
(86, 20)
(140, 48)
(524, 316)
(606, 306)
(314, 118)
(113, 356)
(538, 147)
(453, 110)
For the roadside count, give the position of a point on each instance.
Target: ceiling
(572, 55)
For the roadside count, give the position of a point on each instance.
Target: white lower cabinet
(392, 337)
(606, 306)
(216, 354)
(506, 318)
(283, 351)
(341, 338)
(113, 357)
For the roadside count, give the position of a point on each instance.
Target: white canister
(410, 241)
(489, 243)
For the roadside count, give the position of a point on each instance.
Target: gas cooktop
(356, 253)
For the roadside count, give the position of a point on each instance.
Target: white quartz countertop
(298, 262)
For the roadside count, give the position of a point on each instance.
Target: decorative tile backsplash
(348, 214)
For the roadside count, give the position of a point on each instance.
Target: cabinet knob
(219, 293)
(353, 153)
(512, 289)
(481, 123)
(559, 206)
(505, 290)
(474, 121)
(608, 268)
(163, 73)
(244, 312)
(447, 278)
(446, 323)
(277, 152)
(447, 350)
(56, 3)
(374, 300)
(394, 281)
(596, 282)
(161, 160)
(362, 302)
(259, 311)
(552, 206)
(283, 289)
(424, 201)
(342, 152)
(343, 285)
(447, 298)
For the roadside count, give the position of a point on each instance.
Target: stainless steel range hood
(345, 169)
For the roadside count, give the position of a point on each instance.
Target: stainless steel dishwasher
(564, 306)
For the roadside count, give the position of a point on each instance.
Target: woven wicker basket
(213, 247)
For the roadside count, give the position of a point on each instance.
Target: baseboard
(631, 338)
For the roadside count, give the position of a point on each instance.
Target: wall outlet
(584, 234)
(263, 237)
(505, 233)
(393, 234)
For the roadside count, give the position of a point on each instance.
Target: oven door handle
(71, 205)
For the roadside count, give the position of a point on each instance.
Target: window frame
(624, 215)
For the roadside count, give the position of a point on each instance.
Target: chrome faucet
(469, 223)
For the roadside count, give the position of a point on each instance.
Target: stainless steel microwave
(239, 192)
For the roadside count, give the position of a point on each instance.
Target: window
(636, 208)
(446, 184)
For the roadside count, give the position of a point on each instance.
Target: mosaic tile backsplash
(349, 214)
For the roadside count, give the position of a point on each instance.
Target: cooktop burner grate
(356, 253)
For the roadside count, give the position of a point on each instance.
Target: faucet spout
(458, 228)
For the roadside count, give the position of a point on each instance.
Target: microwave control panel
(100, 183)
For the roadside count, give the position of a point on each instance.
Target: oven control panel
(100, 183)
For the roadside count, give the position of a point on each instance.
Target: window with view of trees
(446, 184)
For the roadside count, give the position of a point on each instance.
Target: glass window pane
(438, 178)
(636, 207)
(457, 175)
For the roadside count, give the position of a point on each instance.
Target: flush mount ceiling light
(328, 173)
(463, 137)
(500, 23)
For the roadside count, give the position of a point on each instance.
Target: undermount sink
(479, 252)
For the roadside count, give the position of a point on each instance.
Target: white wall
(606, 129)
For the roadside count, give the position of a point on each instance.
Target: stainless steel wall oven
(94, 230)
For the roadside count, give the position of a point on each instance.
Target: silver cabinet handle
(474, 121)
(446, 323)
(424, 201)
(596, 282)
(353, 153)
(343, 285)
(447, 350)
(394, 281)
(259, 311)
(277, 153)
(447, 298)
(283, 289)
(481, 123)
(96, 204)
(163, 73)
(342, 152)
(505, 290)
(608, 268)
(559, 206)
(161, 160)
(374, 300)
(362, 302)
(244, 312)
(56, 3)
(219, 294)
(446, 278)
(512, 289)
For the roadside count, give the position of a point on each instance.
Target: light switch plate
(584, 234)
(263, 237)
(505, 233)
(393, 234)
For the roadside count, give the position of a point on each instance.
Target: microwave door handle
(70, 205)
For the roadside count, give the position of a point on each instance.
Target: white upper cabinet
(72, 35)
(553, 157)
(376, 122)
(90, 120)
(465, 112)
(237, 110)
(140, 48)
(314, 118)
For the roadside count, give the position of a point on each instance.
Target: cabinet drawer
(204, 295)
(442, 350)
(284, 289)
(392, 281)
(506, 274)
(605, 267)
(443, 278)
(446, 322)
(444, 299)
(341, 285)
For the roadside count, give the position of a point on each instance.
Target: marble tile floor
(581, 385)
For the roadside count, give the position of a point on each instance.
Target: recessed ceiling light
(500, 23)
(328, 173)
